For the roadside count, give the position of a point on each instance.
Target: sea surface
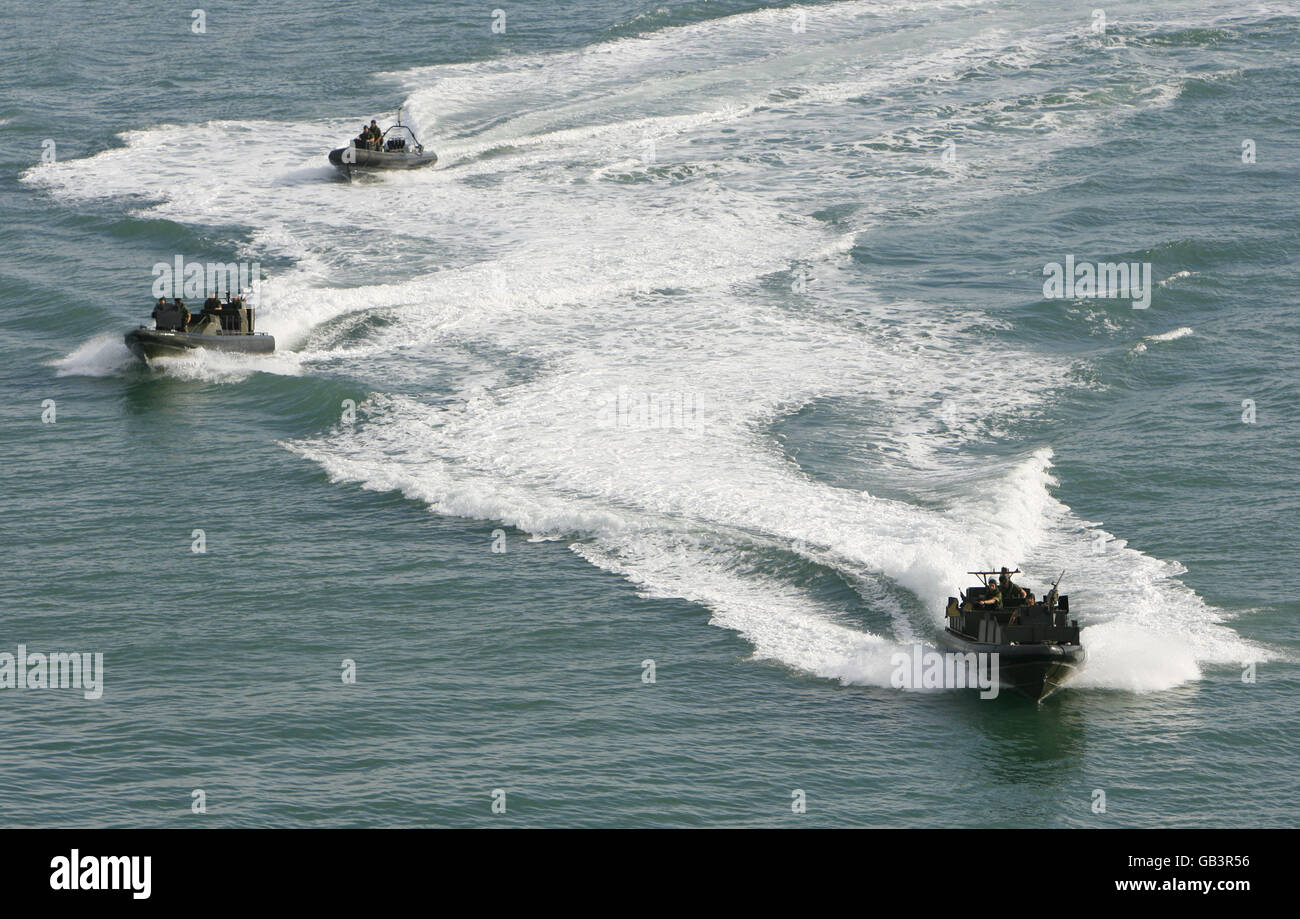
(688, 385)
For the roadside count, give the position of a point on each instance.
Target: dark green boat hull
(379, 159)
(1033, 670)
(151, 343)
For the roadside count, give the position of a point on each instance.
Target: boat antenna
(399, 114)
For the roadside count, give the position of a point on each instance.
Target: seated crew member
(212, 304)
(159, 307)
(374, 133)
(994, 598)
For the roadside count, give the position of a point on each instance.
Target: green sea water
(688, 385)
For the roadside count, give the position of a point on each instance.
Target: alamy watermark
(1102, 280)
(669, 411)
(75, 871)
(57, 670)
(179, 278)
(929, 669)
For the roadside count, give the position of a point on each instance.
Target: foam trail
(1176, 276)
(784, 624)
(222, 367)
(1172, 335)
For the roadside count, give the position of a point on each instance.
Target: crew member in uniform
(1011, 592)
(994, 598)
